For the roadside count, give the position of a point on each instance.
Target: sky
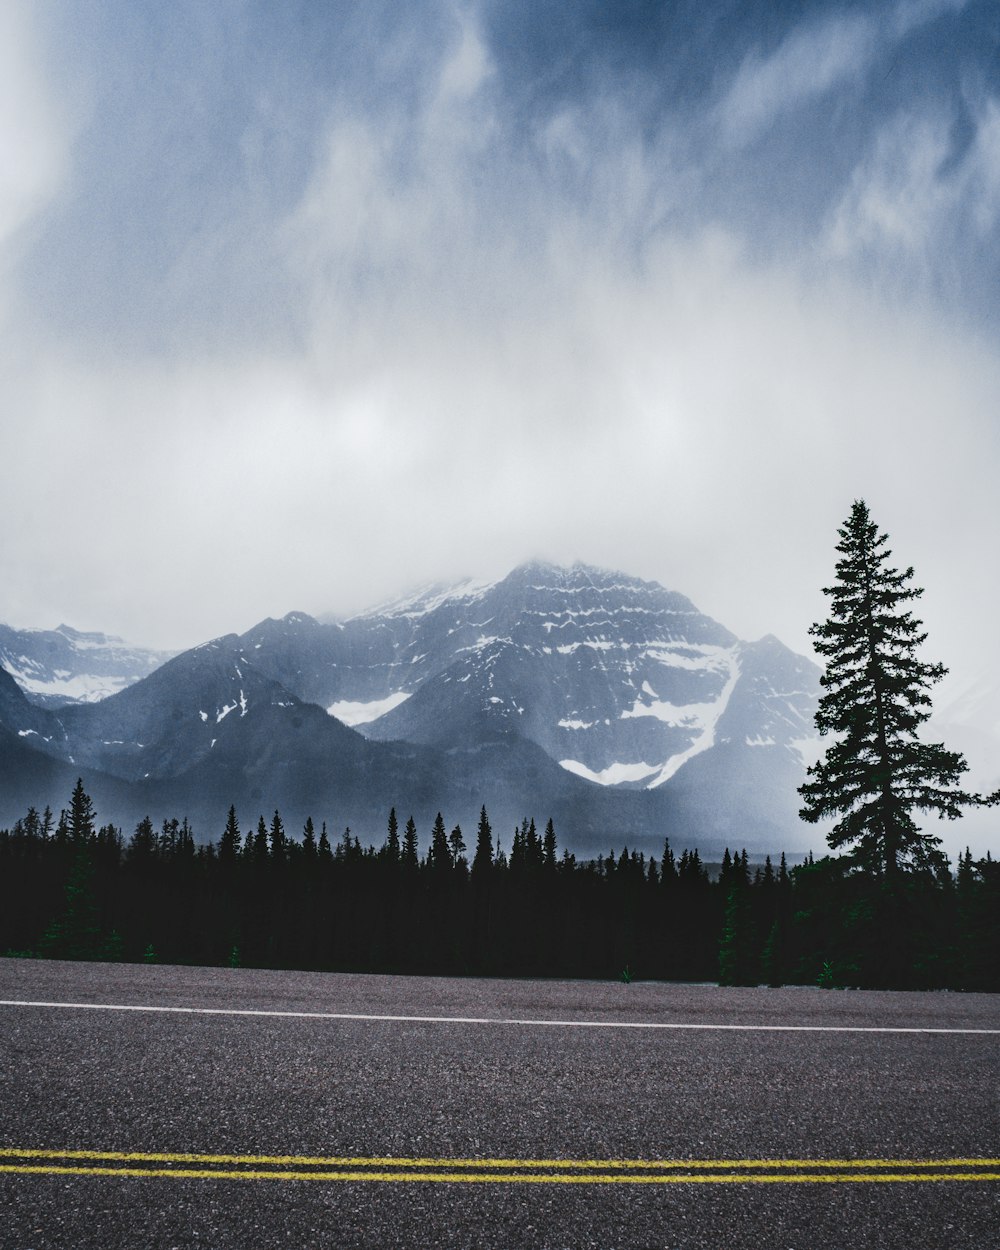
(302, 305)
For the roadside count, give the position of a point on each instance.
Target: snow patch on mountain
(697, 720)
(704, 717)
(76, 688)
(614, 774)
(807, 750)
(595, 644)
(427, 599)
(352, 712)
(64, 665)
(687, 655)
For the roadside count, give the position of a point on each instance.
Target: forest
(887, 912)
(71, 888)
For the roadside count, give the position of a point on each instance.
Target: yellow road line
(403, 1161)
(34, 1161)
(507, 1178)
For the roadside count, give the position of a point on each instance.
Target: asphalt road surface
(215, 1107)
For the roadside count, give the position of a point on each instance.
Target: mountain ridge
(64, 665)
(608, 700)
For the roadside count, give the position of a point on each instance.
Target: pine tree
(877, 771)
(668, 866)
(277, 838)
(230, 842)
(456, 844)
(76, 933)
(409, 856)
(81, 814)
(167, 841)
(517, 847)
(482, 877)
(439, 853)
(549, 847)
(309, 851)
(533, 846)
(142, 845)
(483, 860)
(736, 961)
(392, 839)
(348, 848)
(260, 842)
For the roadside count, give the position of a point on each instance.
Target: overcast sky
(302, 304)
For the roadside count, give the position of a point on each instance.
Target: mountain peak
(298, 618)
(66, 665)
(427, 598)
(80, 636)
(591, 684)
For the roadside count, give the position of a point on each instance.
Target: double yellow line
(338, 1168)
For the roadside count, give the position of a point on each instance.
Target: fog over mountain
(63, 665)
(600, 699)
(603, 700)
(303, 302)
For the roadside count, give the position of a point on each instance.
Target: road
(238, 1107)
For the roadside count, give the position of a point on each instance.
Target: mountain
(58, 666)
(966, 718)
(607, 702)
(618, 680)
(208, 729)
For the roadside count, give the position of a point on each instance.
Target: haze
(303, 304)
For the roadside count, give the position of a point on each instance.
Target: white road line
(548, 1024)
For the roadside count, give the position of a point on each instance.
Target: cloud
(392, 211)
(911, 204)
(517, 332)
(812, 60)
(34, 136)
(808, 64)
(896, 199)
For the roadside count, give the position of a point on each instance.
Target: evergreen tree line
(70, 888)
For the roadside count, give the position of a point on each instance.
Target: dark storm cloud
(204, 124)
(317, 299)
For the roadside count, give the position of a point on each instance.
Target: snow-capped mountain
(63, 665)
(966, 718)
(208, 730)
(967, 715)
(618, 680)
(610, 703)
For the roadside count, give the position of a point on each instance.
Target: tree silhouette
(309, 851)
(392, 851)
(353, 909)
(877, 772)
(483, 860)
(230, 843)
(81, 814)
(456, 844)
(439, 854)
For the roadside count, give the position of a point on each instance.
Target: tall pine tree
(877, 772)
(483, 861)
(82, 817)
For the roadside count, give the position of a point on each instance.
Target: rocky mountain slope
(618, 680)
(59, 666)
(609, 703)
